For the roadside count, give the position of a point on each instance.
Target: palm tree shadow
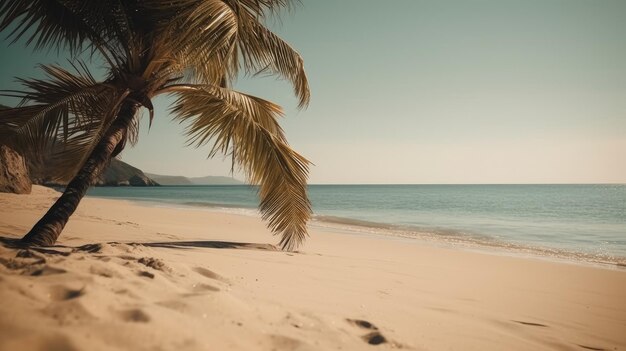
(14, 243)
(11, 242)
(17, 244)
(212, 244)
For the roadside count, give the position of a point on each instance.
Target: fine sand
(131, 277)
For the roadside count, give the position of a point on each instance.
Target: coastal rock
(119, 173)
(14, 177)
(138, 180)
(122, 174)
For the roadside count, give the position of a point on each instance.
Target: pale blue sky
(441, 91)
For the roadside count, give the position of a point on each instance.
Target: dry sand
(132, 277)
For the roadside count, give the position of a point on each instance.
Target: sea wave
(225, 208)
(464, 239)
(437, 236)
(209, 206)
(214, 205)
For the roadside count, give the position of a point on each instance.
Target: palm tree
(192, 49)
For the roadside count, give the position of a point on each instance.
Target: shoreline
(128, 276)
(440, 238)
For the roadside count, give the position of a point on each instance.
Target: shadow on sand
(211, 244)
(11, 242)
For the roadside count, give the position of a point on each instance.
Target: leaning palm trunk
(189, 49)
(46, 231)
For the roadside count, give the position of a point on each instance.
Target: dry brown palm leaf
(247, 127)
(67, 112)
(265, 52)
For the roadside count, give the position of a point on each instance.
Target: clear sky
(439, 91)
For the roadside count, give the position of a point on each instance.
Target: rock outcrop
(122, 174)
(14, 176)
(17, 175)
(118, 173)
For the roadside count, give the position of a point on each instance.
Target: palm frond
(261, 8)
(51, 22)
(194, 41)
(265, 52)
(70, 155)
(57, 116)
(214, 34)
(203, 30)
(246, 126)
(68, 23)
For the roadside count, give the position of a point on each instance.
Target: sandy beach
(125, 276)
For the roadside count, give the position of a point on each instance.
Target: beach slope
(131, 277)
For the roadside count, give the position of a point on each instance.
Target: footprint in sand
(532, 324)
(47, 270)
(593, 348)
(362, 324)
(146, 274)
(209, 274)
(62, 293)
(204, 287)
(374, 337)
(134, 315)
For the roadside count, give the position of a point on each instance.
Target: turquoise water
(584, 219)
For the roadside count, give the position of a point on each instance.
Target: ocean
(581, 222)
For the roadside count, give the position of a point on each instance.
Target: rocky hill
(120, 173)
(170, 180)
(180, 180)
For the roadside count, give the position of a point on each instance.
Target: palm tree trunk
(49, 227)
